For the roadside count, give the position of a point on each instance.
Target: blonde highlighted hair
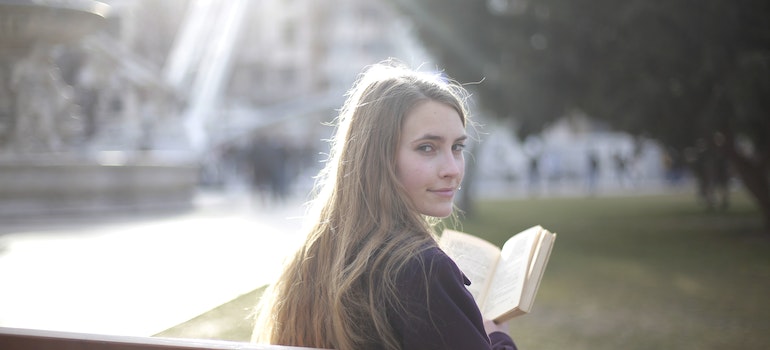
(335, 291)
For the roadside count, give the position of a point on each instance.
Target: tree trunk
(467, 192)
(753, 172)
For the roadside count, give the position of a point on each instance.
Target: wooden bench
(35, 339)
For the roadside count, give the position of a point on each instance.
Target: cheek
(407, 177)
(410, 172)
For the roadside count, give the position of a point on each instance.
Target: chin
(438, 212)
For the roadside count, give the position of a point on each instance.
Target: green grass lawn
(638, 272)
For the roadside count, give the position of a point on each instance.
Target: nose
(452, 165)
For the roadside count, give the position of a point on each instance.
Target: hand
(490, 326)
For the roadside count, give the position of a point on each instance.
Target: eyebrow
(433, 137)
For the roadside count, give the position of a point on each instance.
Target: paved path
(140, 274)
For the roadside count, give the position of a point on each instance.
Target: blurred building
(247, 74)
(163, 75)
(240, 88)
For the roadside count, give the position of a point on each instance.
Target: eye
(458, 147)
(425, 148)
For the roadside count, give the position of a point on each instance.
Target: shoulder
(438, 311)
(434, 265)
(432, 282)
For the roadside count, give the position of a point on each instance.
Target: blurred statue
(46, 117)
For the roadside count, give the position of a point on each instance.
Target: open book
(504, 281)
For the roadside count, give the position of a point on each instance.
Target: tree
(682, 72)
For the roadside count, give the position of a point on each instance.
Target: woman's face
(429, 159)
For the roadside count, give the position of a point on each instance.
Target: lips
(444, 192)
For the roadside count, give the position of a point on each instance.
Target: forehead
(434, 118)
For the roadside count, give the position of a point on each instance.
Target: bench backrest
(35, 339)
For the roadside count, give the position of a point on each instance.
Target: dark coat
(439, 312)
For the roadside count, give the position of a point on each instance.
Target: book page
(475, 257)
(537, 268)
(507, 284)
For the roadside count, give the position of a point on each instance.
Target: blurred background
(133, 104)
(156, 109)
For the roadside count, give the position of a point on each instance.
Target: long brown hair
(337, 288)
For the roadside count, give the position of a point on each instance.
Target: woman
(370, 274)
